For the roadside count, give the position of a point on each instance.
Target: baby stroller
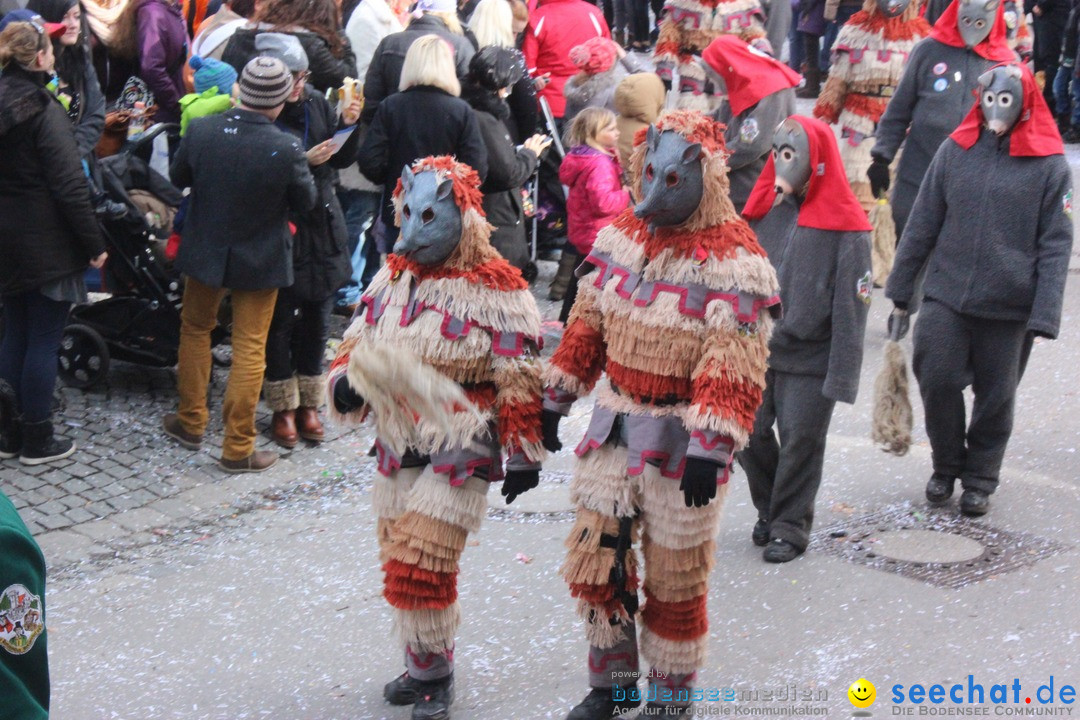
(139, 320)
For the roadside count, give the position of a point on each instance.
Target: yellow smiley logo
(862, 693)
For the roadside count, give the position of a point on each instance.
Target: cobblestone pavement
(128, 484)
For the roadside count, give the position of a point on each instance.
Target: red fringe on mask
(496, 274)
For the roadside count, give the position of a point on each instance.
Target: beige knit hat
(265, 83)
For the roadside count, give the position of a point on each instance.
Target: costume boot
(308, 424)
(41, 446)
(568, 261)
(283, 397)
(433, 699)
(600, 704)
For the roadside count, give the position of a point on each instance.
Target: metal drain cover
(937, 547)
(927, 546)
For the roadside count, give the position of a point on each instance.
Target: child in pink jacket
(596, 193)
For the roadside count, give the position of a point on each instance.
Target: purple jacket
(162, 38)
(596, 195)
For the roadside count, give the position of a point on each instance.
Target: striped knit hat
(265, 83)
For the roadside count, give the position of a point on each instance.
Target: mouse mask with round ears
(791, 157)
(1001, 97)
(672, 180)
(893, 8)
(430, 218)
(975, 18)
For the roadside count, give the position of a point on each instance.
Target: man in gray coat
(818, 238)
(993, 226)
(245, 176)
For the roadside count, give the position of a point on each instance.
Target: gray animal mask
(672, 181)
(1001, 96)
(893, 8)
(791, 158)
(975, 19)
(430, 219)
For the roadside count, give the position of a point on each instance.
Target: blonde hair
(493, 23)
(21, 42)
(450, 20)
(587, 124)
(430, 61)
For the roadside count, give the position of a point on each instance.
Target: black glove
(519, 482)
(899, 322)
(878, 174)
(699, 481)
(345, 398)
(549, 427)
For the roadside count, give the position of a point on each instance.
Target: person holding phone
(493, 72)
(321, 261)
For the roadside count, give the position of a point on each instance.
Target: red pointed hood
(1035, 133)
(830, 204)
(995, 47)
(750, 75)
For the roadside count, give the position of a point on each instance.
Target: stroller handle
(148, 137)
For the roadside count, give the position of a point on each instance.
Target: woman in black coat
(50, 236)
(426, 118)
(78, 82)
(315, 23)
(300, 326)
(492, 74)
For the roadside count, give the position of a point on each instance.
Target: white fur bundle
(883, 247)
(892, 406)
(398, 386)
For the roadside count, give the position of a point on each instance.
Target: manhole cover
(937, 547)
(927, 546)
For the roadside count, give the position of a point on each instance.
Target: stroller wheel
(84, 357)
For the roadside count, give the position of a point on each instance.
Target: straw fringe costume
(868, 58)
(474, 321)
(686, 29)
(679, 320)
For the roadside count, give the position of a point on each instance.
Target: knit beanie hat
(284, 47)
(212, 73)
(265, 83)
(594, 56)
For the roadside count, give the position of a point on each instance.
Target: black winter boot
(10, 431)
(433, 700)
(599, 705)
(40, 446)
(939, 489)
(813, 84)
(404, 690)
(974, 503)
(568, 262)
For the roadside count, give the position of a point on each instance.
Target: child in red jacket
(596, 194)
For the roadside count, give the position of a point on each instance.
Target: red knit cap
(594, 56)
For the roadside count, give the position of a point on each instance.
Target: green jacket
(210, 102)
(24, 658)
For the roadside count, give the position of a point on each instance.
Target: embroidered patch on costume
(700, 255)
(941, 69)
(1066, 204)
(21, 619)
(748, 329)
(864, 287)
(749, 131)
(940, 84)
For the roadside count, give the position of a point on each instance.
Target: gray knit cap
(265, 83)
(284, 47)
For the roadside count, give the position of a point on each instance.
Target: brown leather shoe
(172, 427)
(309, 425)
(283, 429)
(253, 463)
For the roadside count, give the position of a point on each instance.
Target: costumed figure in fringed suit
(993, 224)
(686, 29)
(758, 94)
(675, 307)
(446, 323)
(932, 98)
(818, 239)
(868, 58)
